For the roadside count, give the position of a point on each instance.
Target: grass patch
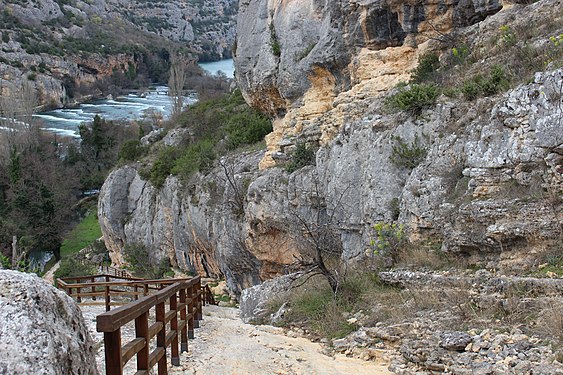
(84, 234)
(325, 314)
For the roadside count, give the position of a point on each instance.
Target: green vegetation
(413, 98)
(142, 265)
(131, 151)
(427, 66)
(274, 43)
(75, 265)
(406, 155)
(314, 306)
(84, 234)
(218, 126)
(495, 82)
(388, 239)
(302, 156)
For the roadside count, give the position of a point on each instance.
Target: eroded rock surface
(307, 62)
(42, 330)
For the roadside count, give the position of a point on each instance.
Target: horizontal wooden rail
(171, 328)
(111, 287)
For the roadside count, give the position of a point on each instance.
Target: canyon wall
(487, 188)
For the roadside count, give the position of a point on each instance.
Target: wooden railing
(183, 297)
(171, 326)
(109, 270)
(87, 289)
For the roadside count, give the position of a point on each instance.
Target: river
(225, 66)
(134, 106)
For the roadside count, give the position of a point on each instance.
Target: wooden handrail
(87, 286)
(171, 328)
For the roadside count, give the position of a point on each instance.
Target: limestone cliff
(309, 63)
(488, 186)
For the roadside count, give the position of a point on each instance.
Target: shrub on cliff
(495, 82)
(141, 263)
(426, 68)
(216, 126)
(302, 156)
(413, 98)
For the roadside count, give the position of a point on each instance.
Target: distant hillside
(69, 49)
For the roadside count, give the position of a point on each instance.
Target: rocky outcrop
(254, 300)
(196, 224)
(308, 64)
(42, 330)
(489, 190)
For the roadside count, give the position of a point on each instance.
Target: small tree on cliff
(176, 81)
(315, 231)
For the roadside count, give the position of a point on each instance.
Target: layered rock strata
(309, 63)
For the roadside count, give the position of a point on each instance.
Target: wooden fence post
(107, 295)
(175, 355)
(191, 312)
(93, 280)
(199, 302)
(161, 338)
(183, 315)
(112, 343)
(142, 331)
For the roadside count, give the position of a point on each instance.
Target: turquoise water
(226, 66)
(134, 106)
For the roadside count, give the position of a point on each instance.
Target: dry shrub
(424, 255)
(550, 322)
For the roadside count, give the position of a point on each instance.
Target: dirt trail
(224, 345)
(50, 275)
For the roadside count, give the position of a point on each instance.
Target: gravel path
(50, 275)
(225, 345)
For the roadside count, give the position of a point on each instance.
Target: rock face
(42, 330)
(488, 188)
(304, 62)
(488, 191)
(253, 300)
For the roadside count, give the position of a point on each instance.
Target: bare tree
(317, 234)
(176, 81)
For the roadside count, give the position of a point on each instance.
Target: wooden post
(142, 330)
(175, 356)
(136, 290)
(93, 280)
(199, 304)
(107, 295)
(112, 342)
(191, 312)
(184, 333)
(146, 290)
(161, 338)
(78, 298)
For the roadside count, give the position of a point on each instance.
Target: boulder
(42, 330)
(254, 300)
